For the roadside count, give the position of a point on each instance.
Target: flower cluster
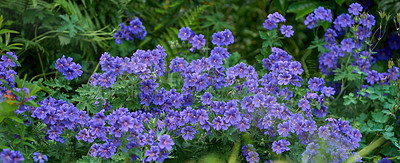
(69, 69)
(197, 41)
(319, 14)
(340, 140)
(274, 19)
(146, 64)
(10, 156)
(134, 30)
(250, 153)
(223, 38)
(178, 113)
(59, 115)
(6, 69)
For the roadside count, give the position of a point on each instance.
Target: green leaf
(16, 119)
(339, 2)
(8, 31)
(388, 135)
(34, 3)
(64, 40)
(263, 35)
(302, 8)
(326, 25)
(282, 5)
(380, 117)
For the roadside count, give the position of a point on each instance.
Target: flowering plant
(144, 108)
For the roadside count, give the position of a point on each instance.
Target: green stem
(95, 69)
(233, 158)
(49, 73)
(303, 63)
(368, 149)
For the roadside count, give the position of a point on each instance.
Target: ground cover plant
(194, 94)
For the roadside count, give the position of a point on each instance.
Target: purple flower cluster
(10, 156)
(319, 14)
(6, 68)
(250, 153)
(328, 61)
(284, 71)
(69, 69)
(142, 63)
(340, 139)
(128, 125)
(385, 78)
(59, 115)
(134, 30)
(272, 20)
(223, 38)
(280, 146)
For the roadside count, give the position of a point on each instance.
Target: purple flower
(372, 77)
(198, 41)
(385, 160)
(38, 157)
(206, 99)
(218, 39)
(328, 91)
(283, 129)
(214, 60)
(126, 123)
(347, 45)
(320, 13)
(394, 42)
(316, 84)
(202, 116)
(269, 24)
(287, 30)
(184, 33)
(152, 154)
(165, 142)
(188, 132)
(355, 8)
(310, 21)
(280, 146)
(252, 157)
(276, 17)
(229, 39)
(367, 20)
(7, 61)
(243, 124)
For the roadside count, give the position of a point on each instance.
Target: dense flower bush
(145, 108)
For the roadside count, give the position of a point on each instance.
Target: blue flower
(287, 30)
(206, 99)
(38, 157)
(184, 33)
(355, 8)
(188, 132)
(165, 142)
(198, 41)
(269, 24)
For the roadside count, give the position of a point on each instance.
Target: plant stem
(368, 149)
(95, 69)
(235, 152)
(49, 73)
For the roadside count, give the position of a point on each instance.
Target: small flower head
(287, 30)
